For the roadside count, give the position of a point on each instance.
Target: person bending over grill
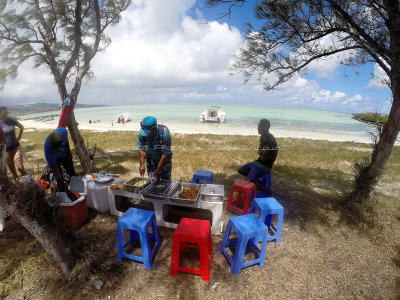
(154, 144)
(58, 153)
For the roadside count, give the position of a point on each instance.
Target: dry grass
(327, 250)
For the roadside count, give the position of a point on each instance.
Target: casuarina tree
(63, 36)
(294, 33)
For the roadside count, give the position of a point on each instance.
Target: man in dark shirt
(154, 144)
(57, 154)
(268, 150)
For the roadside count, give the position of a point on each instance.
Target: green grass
(305, 161)
(328, 250)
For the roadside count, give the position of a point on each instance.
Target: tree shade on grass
(292, 34)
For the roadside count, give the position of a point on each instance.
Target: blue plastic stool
(138, 222)
(266, 181)
(206, 176)
(267, 207)
(248, 228)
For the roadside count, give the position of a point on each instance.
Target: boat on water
(122, 118)
(213, 114)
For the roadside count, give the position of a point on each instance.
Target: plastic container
(212, 193)
(77, 184)
(97, 196)
(75, 213)
(212, 199)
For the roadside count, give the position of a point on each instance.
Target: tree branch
(78, 40)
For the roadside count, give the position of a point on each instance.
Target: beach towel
(65, 112)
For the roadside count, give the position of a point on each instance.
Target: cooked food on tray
(140, 182)
(189, 193)
(117, 186)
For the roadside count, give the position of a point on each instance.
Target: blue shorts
(254, 172)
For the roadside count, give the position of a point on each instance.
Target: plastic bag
(118, 184)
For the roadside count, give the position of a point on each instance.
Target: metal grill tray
(174, 195)
(212, 192)
(131, 187)
(159, 189)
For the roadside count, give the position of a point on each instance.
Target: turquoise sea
(241, 119)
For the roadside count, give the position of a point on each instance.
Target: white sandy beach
(196, 129)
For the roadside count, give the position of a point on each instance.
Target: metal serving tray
(159, 189)
(131, 187)
(212, 192)
(174, 195)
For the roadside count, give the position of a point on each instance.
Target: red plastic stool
(193, 233)
(250, 191)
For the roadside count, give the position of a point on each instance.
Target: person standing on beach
(3, 152)
(14, 153)
(268, 151)
(58, 153)
(154, 144)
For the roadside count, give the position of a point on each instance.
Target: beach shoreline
(182, 129)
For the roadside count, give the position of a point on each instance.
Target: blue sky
(179, 51)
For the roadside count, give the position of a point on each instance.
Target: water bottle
(68, 100)
(52, 177)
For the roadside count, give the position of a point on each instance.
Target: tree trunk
(369, 176)
(79, 144)
(55, 244)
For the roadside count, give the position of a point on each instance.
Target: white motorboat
(213, 114)
(122, 118)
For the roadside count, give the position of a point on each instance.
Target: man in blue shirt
(154, 144)
(58, 153)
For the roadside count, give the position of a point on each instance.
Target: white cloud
(325, 96)
(328, 67)
(31, 85)
(188, 52)
(161, 54)
(354, 99)
(379, 80)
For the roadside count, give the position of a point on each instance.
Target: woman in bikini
(14, 153)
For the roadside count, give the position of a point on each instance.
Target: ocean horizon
(240, 119)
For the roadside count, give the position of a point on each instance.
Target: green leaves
(63, 35)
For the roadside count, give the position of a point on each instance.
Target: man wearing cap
(154, 144)
(268, 151)
(58, 153)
